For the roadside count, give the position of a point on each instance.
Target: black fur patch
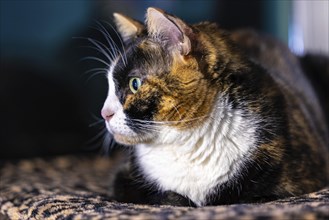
(142, 62)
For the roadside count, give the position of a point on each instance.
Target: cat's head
(162, 82)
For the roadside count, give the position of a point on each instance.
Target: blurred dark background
(51, 100)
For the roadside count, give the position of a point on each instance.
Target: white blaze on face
(117, 124)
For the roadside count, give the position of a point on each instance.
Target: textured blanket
(77, 187)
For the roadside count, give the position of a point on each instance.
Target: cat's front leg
(127, 189)
(130, 189)
(170, 198)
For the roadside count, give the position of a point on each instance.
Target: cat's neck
(194, 162)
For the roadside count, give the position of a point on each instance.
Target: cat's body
(214, 117)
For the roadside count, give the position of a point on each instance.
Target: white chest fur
(193, 162)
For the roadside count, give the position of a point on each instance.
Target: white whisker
(169, 122)
(95, 116)
(111, 41)
(109, 55)
(95, 74)
(180, 116)
(99, 50)
(118, 35)
(96, 123)
(95, 69)
(97, 59)
(112, 53)
(99, 47)
(97, 136)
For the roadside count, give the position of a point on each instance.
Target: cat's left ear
(171, 31)
(127, 27)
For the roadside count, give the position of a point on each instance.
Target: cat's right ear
(127, 27)
(169, 30)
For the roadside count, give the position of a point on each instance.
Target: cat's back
(306, 118)
(286, 70)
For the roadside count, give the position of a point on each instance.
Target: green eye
(134, 84)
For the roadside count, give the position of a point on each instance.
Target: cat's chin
(128, 140)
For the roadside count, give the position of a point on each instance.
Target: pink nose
(107, 114)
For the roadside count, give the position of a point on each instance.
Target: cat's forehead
(145, 54)
(146, 47)
(148, 44)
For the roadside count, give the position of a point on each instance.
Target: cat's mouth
(123, 139)
(131, 140)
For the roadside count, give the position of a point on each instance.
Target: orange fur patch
(190, 100)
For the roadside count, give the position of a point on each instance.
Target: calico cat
(212, 117)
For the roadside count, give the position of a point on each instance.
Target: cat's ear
(168, 29)
(127, 27)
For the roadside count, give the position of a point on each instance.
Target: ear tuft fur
(170, 30)
(127, 27)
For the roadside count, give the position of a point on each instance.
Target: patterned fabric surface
(77, 187)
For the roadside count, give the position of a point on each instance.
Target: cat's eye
(134, 84)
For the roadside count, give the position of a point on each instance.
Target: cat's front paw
(171, 198)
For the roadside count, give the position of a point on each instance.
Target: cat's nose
(107, 114)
